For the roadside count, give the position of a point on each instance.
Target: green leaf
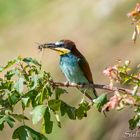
(1, 122)
(6, 85)
(54, 104)
(59, 91)
(63, 108)
(19, 85)
(10, 121)
(81, 111)
(25, 102)
(38, 113)
(58, 120)
(135, 90)
(6, 118)
(11, 73)
(1, 126)
(100, 101)
(32, 94)
(45, 93)
(34, 82)
(19, 117)
(26, 133)
(47, 123)
(31, 60)
(69, 110)
(1, 69)
(14, 98)
(134, 122)
(10, 63)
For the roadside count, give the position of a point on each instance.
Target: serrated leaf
(38, 113)
(100, 101)
(47, 123)
(54, 104)
(12, 62)
(81, 111)
(26, 133)
(31, 60)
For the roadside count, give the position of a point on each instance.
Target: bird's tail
(95, 93)
(91, 94)
(96, 96)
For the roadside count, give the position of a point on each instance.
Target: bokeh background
(102, 32)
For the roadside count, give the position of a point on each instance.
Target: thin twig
(98, 86)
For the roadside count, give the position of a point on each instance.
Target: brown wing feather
(84, 65)
(86, 70)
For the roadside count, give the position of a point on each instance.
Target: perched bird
(73, 64)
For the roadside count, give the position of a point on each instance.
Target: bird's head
(62, 47)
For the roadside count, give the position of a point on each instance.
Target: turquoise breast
(71, 69)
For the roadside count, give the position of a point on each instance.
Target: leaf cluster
(24, 83)
(125, 76)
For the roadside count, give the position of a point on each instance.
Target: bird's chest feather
(70, 67)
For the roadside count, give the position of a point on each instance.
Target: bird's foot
(73, 84)
(82, 84)
(66, 83)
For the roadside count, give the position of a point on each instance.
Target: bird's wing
(85, 68)
(87, 72)
(83, 65)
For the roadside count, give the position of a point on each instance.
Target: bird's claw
(66, 83)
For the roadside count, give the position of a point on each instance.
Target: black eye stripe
(61, 45)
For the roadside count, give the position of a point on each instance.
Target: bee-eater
(73, 64)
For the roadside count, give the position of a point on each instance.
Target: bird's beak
(57, 47)
(48, 45)
(51, 45)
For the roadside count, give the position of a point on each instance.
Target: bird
(73, 64)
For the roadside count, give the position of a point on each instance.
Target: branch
(98, 86)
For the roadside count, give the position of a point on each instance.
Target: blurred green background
(102, 32)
